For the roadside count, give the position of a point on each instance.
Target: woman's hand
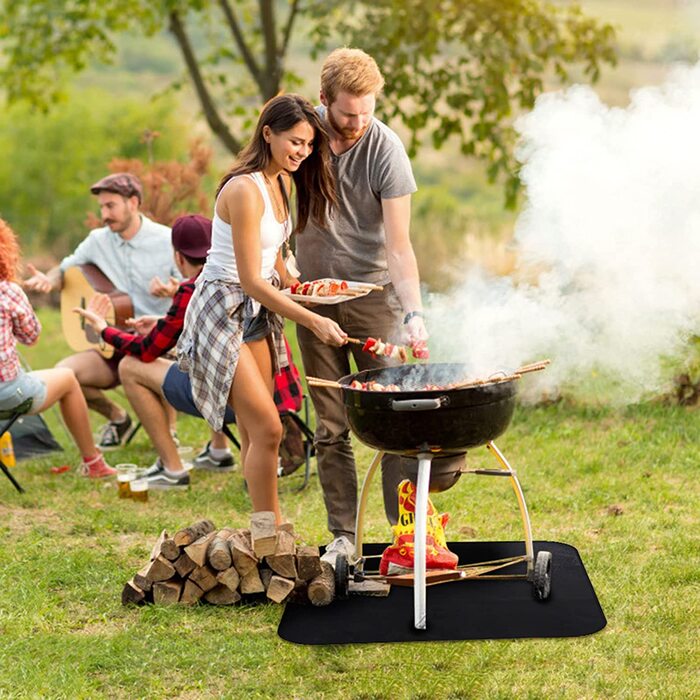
(328, 331)
(38, 281)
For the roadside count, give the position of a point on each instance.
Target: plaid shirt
(163, 337)
(209, 346)
(18, 322)
(288, 389)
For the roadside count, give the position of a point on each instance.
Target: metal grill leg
(419, 540)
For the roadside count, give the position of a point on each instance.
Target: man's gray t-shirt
(353, 247)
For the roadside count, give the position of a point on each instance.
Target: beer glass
(126, 473)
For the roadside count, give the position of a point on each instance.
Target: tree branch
(272, 59)
(247, 56)
(288, 29)
(216, 123)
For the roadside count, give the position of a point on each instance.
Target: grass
(68, 545)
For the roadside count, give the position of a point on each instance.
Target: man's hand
(96, 312)
(37, 281)
(415, 331)
(163, 289)
(143, 324)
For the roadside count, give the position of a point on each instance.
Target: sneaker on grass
(159, 479)
(96, 468)
(205, 460)
(113, 434)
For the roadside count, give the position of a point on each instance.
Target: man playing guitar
(134, 253)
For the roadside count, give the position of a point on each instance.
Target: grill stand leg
(361, 507)
(525, 516)
(419, 540)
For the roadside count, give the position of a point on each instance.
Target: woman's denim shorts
(18, 390)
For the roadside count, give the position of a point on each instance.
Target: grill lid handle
(420, 404)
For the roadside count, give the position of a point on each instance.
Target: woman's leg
(62, 386)
(259, 424)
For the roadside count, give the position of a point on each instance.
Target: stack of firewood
(225, 566)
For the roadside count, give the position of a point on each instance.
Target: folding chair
(10, 417)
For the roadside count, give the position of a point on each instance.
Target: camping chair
(10, 417)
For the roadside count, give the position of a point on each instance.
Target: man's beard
(118, 226)
(347, 134)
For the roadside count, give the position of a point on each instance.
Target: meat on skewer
(376, 346)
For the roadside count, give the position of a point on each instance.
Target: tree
(459, 68)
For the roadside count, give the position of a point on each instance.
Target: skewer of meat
(376, 346)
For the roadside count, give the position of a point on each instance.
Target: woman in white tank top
(244, 272)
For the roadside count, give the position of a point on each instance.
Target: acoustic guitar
(80, 284)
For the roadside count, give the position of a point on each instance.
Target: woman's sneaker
(96, 468)
(205, 460)
(113, 434)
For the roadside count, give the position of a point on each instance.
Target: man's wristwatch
(410, 315)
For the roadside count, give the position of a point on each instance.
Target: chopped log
(251, 583)
(183, 565)
(222, 595)
(369, 587)
(204, 577)
(229, 577)
(300, 592)
(265, 576)
(189, 534)
(287, 527)
(197, 551)
(140, 578)
(263, 533)
(160, 569)
(283, 562)
(308, 562)
(131, 593)
(191, 593)
(219, 552)
(242, 554)
(166, 592)
(155, 550)
(279, 588)
(169, 549)
(322, 587)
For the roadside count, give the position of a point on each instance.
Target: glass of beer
(126, 473)
(139, 489)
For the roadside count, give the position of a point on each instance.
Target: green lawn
(68, 545)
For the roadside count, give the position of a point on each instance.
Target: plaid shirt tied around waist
(210, 343)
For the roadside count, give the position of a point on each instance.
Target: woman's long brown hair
(314, 181)
(9, 253)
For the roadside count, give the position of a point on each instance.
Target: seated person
(132, 251)
(144, 365)
(43, 388)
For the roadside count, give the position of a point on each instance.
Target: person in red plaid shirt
(144, 369)
(33, 392)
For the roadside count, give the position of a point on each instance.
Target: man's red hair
(9, 252)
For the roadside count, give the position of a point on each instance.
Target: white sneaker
(340, 545)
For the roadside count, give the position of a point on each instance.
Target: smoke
(611, 226)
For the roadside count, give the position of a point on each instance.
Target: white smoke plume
(612, 221)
